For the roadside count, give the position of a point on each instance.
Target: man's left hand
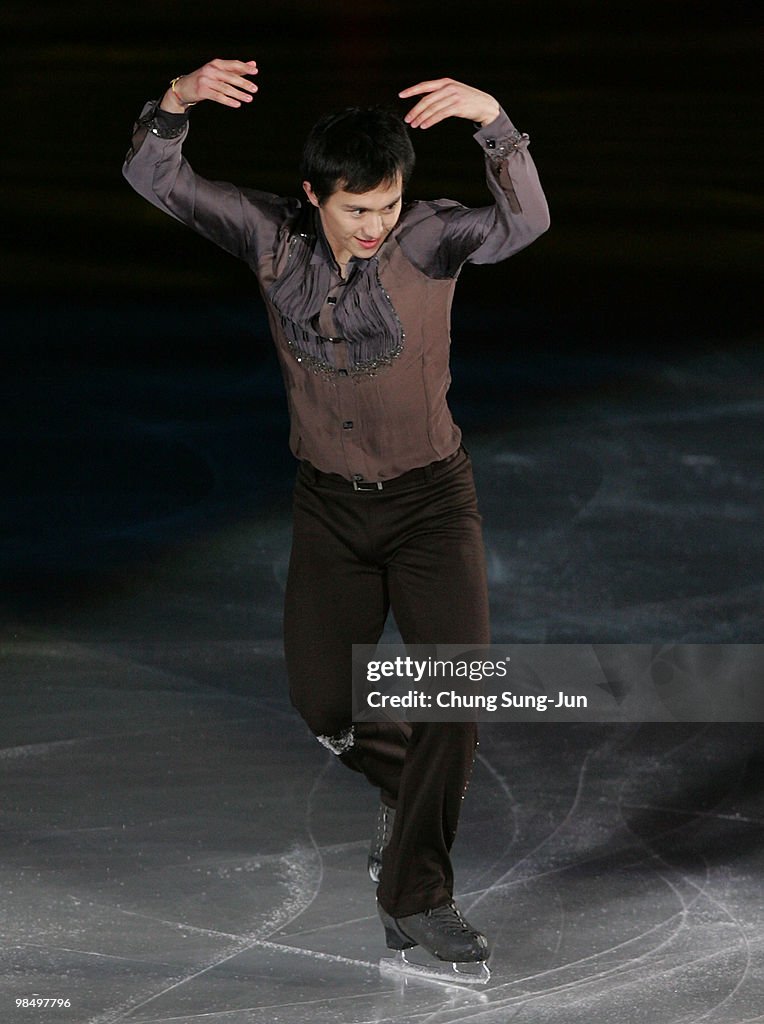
(443, 97)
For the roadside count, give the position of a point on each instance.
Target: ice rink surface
(175, 845)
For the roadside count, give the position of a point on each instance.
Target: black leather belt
(413, 476)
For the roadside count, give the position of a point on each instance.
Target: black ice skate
(382, 832)
(460, 952)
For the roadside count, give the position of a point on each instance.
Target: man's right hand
(222, 81)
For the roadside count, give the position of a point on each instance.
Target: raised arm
(241, 221)
(520, 213)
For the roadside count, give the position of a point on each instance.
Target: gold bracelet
(177, 97)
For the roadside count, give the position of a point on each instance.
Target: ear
(312, 197)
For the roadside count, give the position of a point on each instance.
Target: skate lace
(384, 827)
(450, 916)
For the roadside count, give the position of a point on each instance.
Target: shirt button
(358, 476)
(491, 143)
(347, 425)
(342, 373)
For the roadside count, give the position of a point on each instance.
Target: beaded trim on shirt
(322, 368)
(157, 127)
(370, 327)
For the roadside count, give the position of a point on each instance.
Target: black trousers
(415, 547)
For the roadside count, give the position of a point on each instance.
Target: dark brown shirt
(365, 358)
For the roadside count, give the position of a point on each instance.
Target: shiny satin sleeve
(442, 236)
(244, 222)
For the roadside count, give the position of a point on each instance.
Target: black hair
(357, 149)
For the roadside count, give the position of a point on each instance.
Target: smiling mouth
(367, 243)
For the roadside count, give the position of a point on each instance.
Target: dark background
(642, 118)
(118, 322)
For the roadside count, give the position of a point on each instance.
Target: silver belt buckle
(367, 485)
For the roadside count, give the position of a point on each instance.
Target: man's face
(356, 224)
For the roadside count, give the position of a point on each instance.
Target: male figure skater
(357, 283)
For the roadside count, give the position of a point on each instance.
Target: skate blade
(440, 972)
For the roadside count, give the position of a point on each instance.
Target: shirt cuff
(161, 122)
(500, 138)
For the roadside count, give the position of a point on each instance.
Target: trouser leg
(416, 866)
(336, 597)
(438, 591)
